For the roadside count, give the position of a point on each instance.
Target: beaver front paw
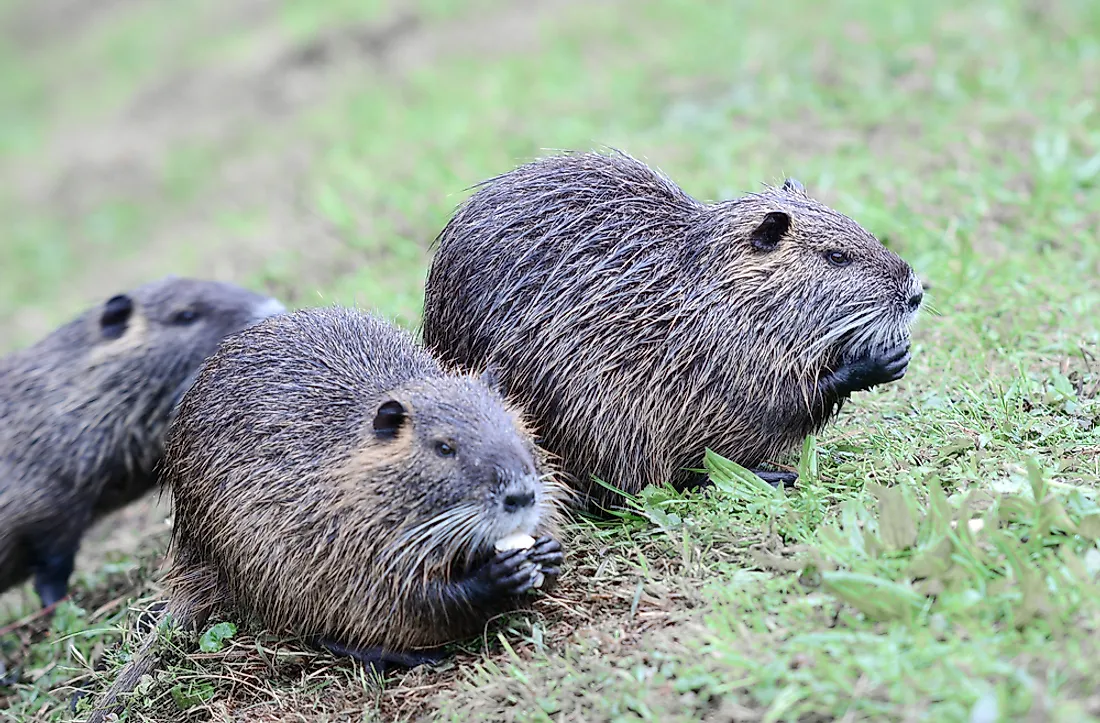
(509, 573)
(547, 554)
(866, 372)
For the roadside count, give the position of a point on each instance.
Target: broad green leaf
(932, 561)
(212, 640)
(1014, 508)
(851, 525)
(665, 520)
(875, 597)
(897, 527)
(938, 519)
(807, 461)
(1054, 517)
(734, 479)
(1089, 526)
(1038, 481)
(1031, 582)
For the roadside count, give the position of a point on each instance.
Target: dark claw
(547, 551)
(896, 368)
(502, 562)
(509, 557)
(899, 352)
(529, 584)
(548, 556)
(520, 582)
(787, 479)
(509, 573)
(517, 578)
(148, 619)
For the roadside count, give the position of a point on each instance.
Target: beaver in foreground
(83, 414)
(331, 479)
(639, 327)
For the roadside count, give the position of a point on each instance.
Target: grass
(965, 136)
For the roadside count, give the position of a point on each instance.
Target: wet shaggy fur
(333, 481)
(84, 411)
(638, 326)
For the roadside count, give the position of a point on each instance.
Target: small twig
(108, 606)
(32, 617)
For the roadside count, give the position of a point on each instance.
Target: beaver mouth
(485, 547)
(870, 341)
(516, 541)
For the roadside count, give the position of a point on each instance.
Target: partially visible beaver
(83, 414)
(639, 327)
(332, 480)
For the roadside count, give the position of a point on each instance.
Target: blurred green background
(314, 149)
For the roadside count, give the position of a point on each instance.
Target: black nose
(915, 299)
(516, 501)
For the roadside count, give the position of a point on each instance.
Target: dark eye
(185, 316)
(444, 449)
(838, 258)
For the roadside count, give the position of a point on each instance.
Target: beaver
(333, 481)
(83, 414)
(639, 326)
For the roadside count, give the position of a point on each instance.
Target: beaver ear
(389, 418)
(116, 314)
(774, 226)
(792, 185)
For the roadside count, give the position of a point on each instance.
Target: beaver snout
(517, 495)
(913, 293)
(517, 505)
(516, 501)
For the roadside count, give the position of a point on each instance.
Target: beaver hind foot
(381, 660)
(776, 478)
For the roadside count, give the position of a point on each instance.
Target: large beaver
(639, 326)
(83, 414)
(332, 480)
